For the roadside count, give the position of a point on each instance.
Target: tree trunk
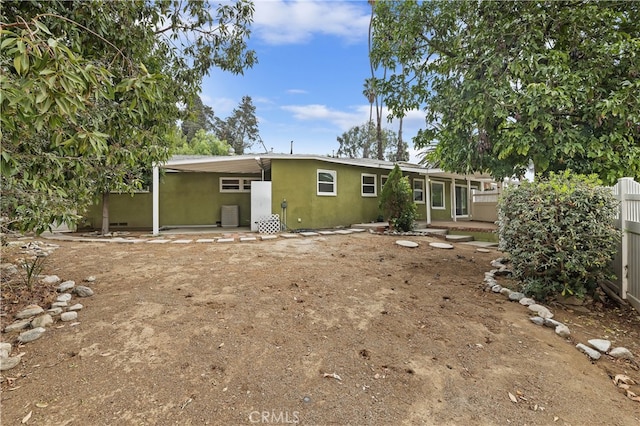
(105, 212)
(400, 154)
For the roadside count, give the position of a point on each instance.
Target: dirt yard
(334, 330)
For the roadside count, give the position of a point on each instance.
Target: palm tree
(372, 81)
(369, 92)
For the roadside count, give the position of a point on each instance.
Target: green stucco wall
(438, 214)
(185, 199)
(296, 182)
(195, 199)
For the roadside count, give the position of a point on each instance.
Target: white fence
(627, 261)
(484, 205)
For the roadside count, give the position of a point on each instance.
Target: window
(418, 191)
(368, 185)
(437, 195)
(327, 182)
(235, 184)
(383, 180)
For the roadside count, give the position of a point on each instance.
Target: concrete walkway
(237, 235)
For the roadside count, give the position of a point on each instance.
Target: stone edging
(544, 317)
(33, 320)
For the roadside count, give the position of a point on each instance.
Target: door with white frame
(462, 201)
(260, 202)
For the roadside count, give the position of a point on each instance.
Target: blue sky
(307, 86)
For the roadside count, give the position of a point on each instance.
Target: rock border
(594, 348)
(32, 321)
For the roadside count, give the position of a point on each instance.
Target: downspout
(156, 200)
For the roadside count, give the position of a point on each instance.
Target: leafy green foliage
(203, 143)
(559, 233)
(90, 89)
(360, 142)
(240, 129)
(199, 117)
(504, 84)
(396, 201)
(31, 267)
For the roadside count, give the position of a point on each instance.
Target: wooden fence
(627, 260)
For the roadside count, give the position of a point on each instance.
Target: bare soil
(335, 330)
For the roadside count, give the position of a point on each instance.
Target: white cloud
(341, 119)
(222, 107)
(297, 92)
(296, 22)
(358, 115)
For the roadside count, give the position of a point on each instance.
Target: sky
(307, 85)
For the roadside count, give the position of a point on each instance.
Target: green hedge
(559, 232)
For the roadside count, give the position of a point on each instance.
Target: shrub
(559, 232)
(396, 201)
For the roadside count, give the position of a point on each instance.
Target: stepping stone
(459, 238)
(326, 233)
(483, 244)
(405, 243)
(158, 241)
(206, 240)
(226, 240)
(247, 239)
(483, 250)
(441, 245)
(181, 241)
(356, 229)
(344, 232)
(436, 231)
(268, 237)
(289, 235)
(309, 234)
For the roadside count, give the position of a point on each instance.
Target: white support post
(469, 199)
(156, 200)
(427, 200)
(453, 199)
(625, 186)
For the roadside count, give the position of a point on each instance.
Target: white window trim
(424, 186)
(374, 185)
(444, 202)
(383, 180)
(335, 183)
(243, 182)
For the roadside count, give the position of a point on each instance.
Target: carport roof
(259, 162)
(256, 163)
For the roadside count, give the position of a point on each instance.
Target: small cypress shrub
(559, 232)
(396, 201)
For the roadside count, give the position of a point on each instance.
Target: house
(306, 191)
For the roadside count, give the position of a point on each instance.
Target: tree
(240, 129)
(360, 142)
(86, 105)
(371, 91)
(504, 84)
(199, 117)
(396, 201)
(203, 143)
